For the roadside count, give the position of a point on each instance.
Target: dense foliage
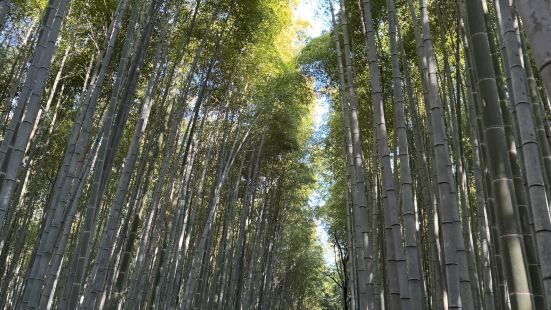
(166, 160)
(166, 154)
(436, 155)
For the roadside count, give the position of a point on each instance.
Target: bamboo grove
(439, 146)
(153, 156)
(160, 154)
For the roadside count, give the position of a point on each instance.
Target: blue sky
(319, 21)
(312, 11)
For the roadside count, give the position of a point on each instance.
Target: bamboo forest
(275, 154)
